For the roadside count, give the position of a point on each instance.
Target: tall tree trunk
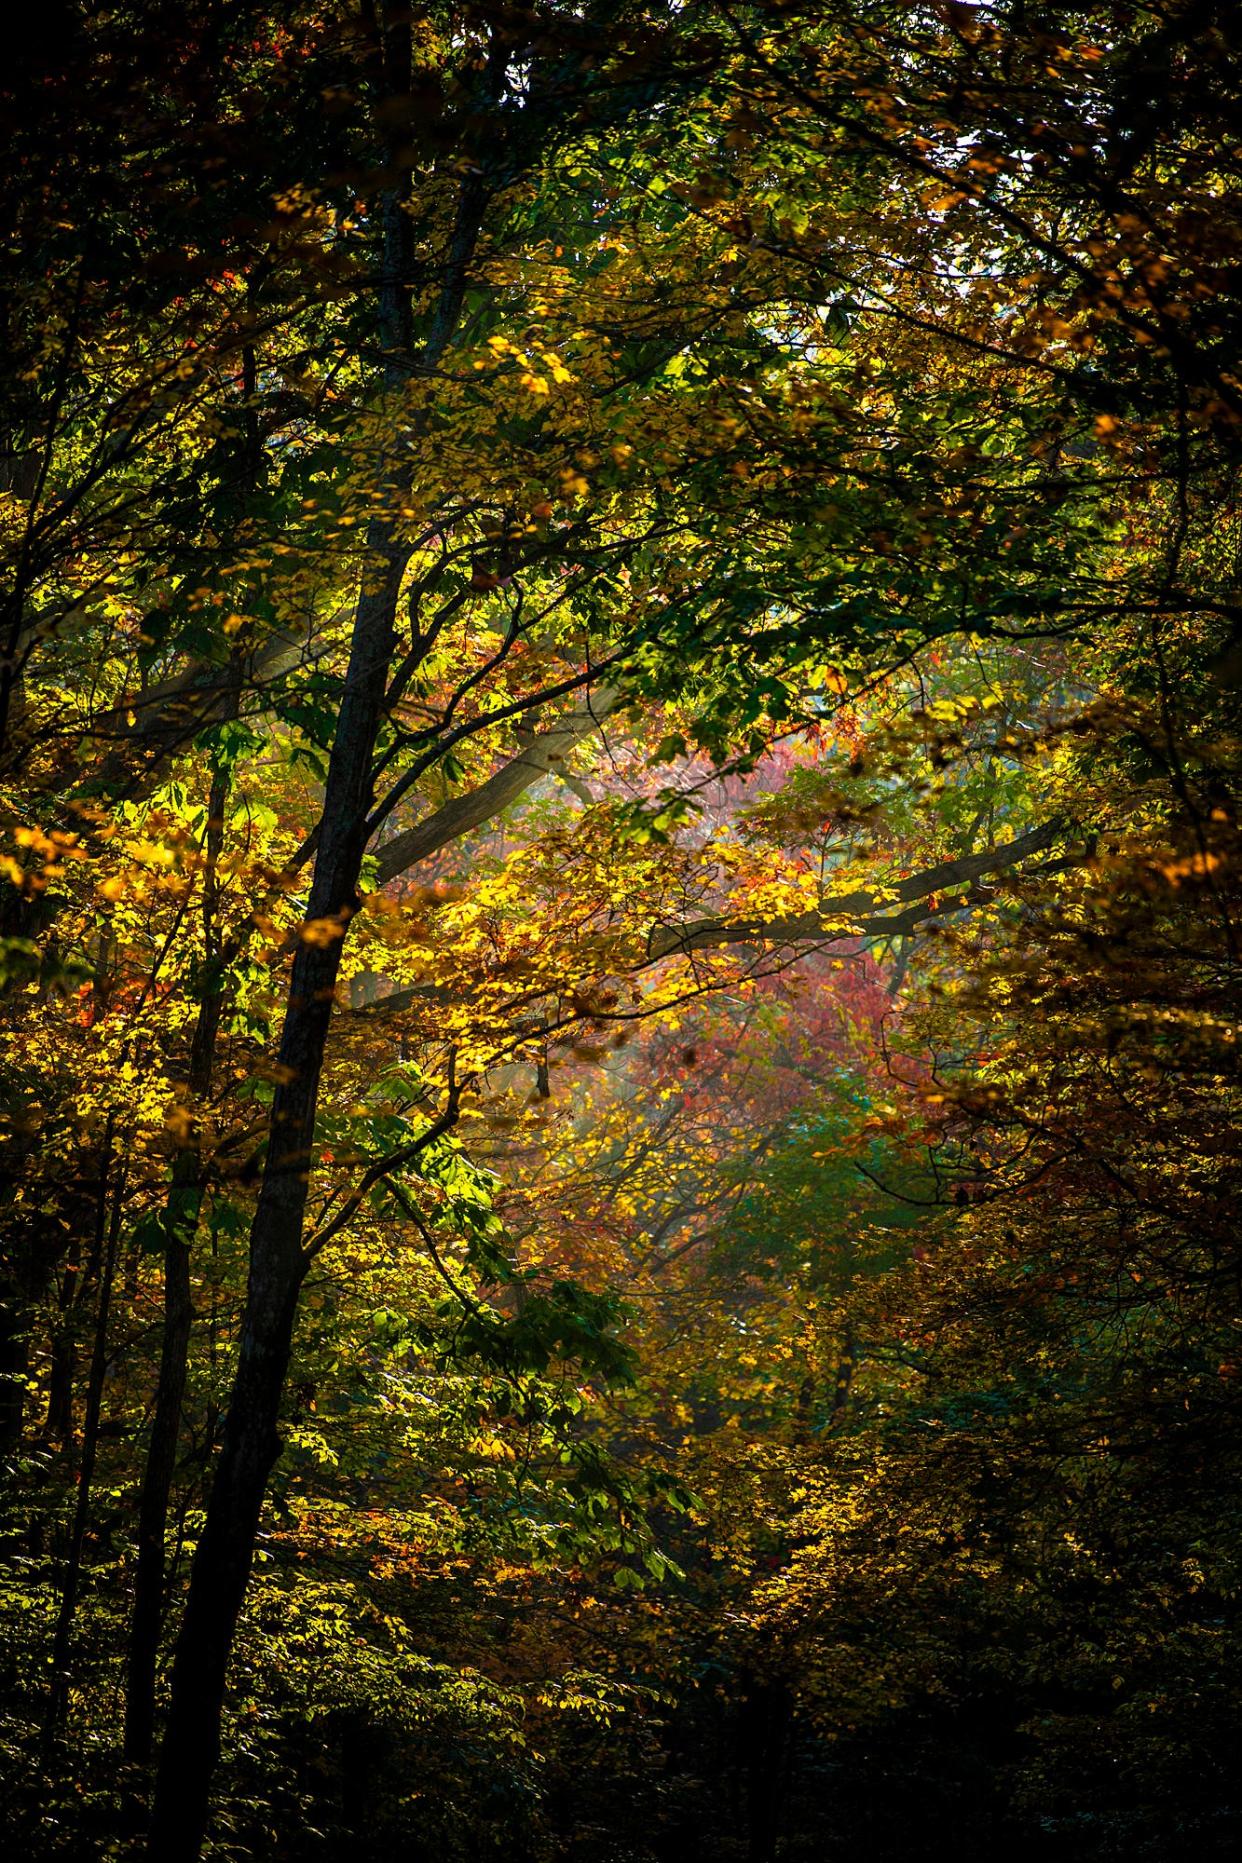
(181, 1215)
(844, 1379)
(14, 1361)
(59, 1692)
(765, 1720)
(62, 1362)
(180, 1226)
(277, 1262)
(148, 1613)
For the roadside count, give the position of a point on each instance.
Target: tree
(569, 524)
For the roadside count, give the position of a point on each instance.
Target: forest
(620, 752)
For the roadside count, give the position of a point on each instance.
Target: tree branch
(538, 758)
(868, 916)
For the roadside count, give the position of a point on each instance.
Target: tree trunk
(14, 1360)
(180, 1226)
(278, 1261)
(61, 1366)
(144, 1636)
(59, 1693)
(842, 1383)
(765, 1727)
(251, 1443)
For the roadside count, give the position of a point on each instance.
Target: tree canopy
(619, 933)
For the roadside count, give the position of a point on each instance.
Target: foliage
(618, 932)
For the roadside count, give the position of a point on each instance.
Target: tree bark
(765, 1728)
(14, 1362)
(61, 1364)
(180, 1226)
(145, 1624)
(842, 1383)
(480, 805)
(278, 1263)
(59, 1693)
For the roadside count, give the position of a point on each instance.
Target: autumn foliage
(619, 915)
